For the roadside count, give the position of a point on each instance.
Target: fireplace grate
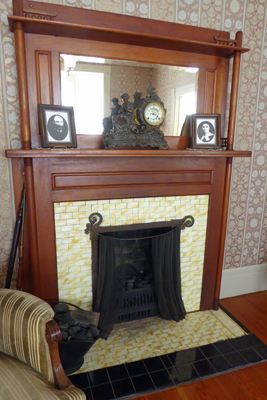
(138, 304)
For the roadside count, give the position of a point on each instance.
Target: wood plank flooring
(245, 384)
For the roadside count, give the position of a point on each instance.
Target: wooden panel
(44, 210)
(24, 281)
(128, 192)
(221, 91)
(91, 181)
(133, 161)
(213, 237)
(44, 77)
(209, 92)
(56, 79)
(23, 89)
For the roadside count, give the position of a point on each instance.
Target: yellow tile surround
(74, 246)
(151, 337)
(132, 341)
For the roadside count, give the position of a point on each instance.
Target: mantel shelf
(68, 153)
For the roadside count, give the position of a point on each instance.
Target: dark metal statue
(137, 123)
(107, 122)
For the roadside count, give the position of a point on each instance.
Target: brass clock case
(154, 113)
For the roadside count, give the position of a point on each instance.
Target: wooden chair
(30, 366)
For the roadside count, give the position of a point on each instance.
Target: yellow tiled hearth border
(151, 337)
(74, 246)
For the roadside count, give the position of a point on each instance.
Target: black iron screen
(152, 269)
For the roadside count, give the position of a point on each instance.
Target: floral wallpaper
(129, 79)
(246, 240)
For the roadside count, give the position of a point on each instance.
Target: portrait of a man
(57, 127)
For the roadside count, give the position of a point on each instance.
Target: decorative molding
(36, 14)
(238, 281)
(224, 42)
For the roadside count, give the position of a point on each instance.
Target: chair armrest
(53, 336)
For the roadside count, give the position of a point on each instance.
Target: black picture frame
(57, 127)
(206, 131)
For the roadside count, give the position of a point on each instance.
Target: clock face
(154, 113)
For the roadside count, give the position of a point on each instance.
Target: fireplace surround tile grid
(179, 367)
(74, 247)
(142, 339)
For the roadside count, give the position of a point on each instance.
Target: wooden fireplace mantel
(42, 32)
(58, 153)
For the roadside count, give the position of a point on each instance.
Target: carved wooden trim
(224, 42)
(53, 336)
(36, 14)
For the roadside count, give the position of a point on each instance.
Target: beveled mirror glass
(89, 84)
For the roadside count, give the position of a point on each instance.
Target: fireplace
(74, 248)
(137, 270)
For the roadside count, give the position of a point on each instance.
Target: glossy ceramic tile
(151, 337)
(162, 372)
(74, 246)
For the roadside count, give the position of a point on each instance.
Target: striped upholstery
(23, 320)
(19, 381)
(22, 329)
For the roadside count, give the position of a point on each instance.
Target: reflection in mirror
(89, 84)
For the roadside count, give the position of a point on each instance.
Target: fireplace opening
(137, 271)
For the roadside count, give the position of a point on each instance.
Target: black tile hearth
(118, 372)
(220, 363)
(250, 355)
(236, 360)
(209, 350)
(123, 388)
(261, 350)
(158, 373)
(186, 356)
(103, 392)
(187, 372)
(136, 368)
(154, 364)
(224, 346)
(98, 377)
(162, 379)
(204, 368)
(239, 343)
(143, 383)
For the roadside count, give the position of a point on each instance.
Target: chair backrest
(23, 320)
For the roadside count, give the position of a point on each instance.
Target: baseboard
(243, 280)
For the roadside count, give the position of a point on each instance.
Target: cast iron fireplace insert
(136, 270)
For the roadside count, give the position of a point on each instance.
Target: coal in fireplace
(137, 269)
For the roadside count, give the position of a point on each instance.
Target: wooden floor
(245, 384)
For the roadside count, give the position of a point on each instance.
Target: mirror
(89, 84)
